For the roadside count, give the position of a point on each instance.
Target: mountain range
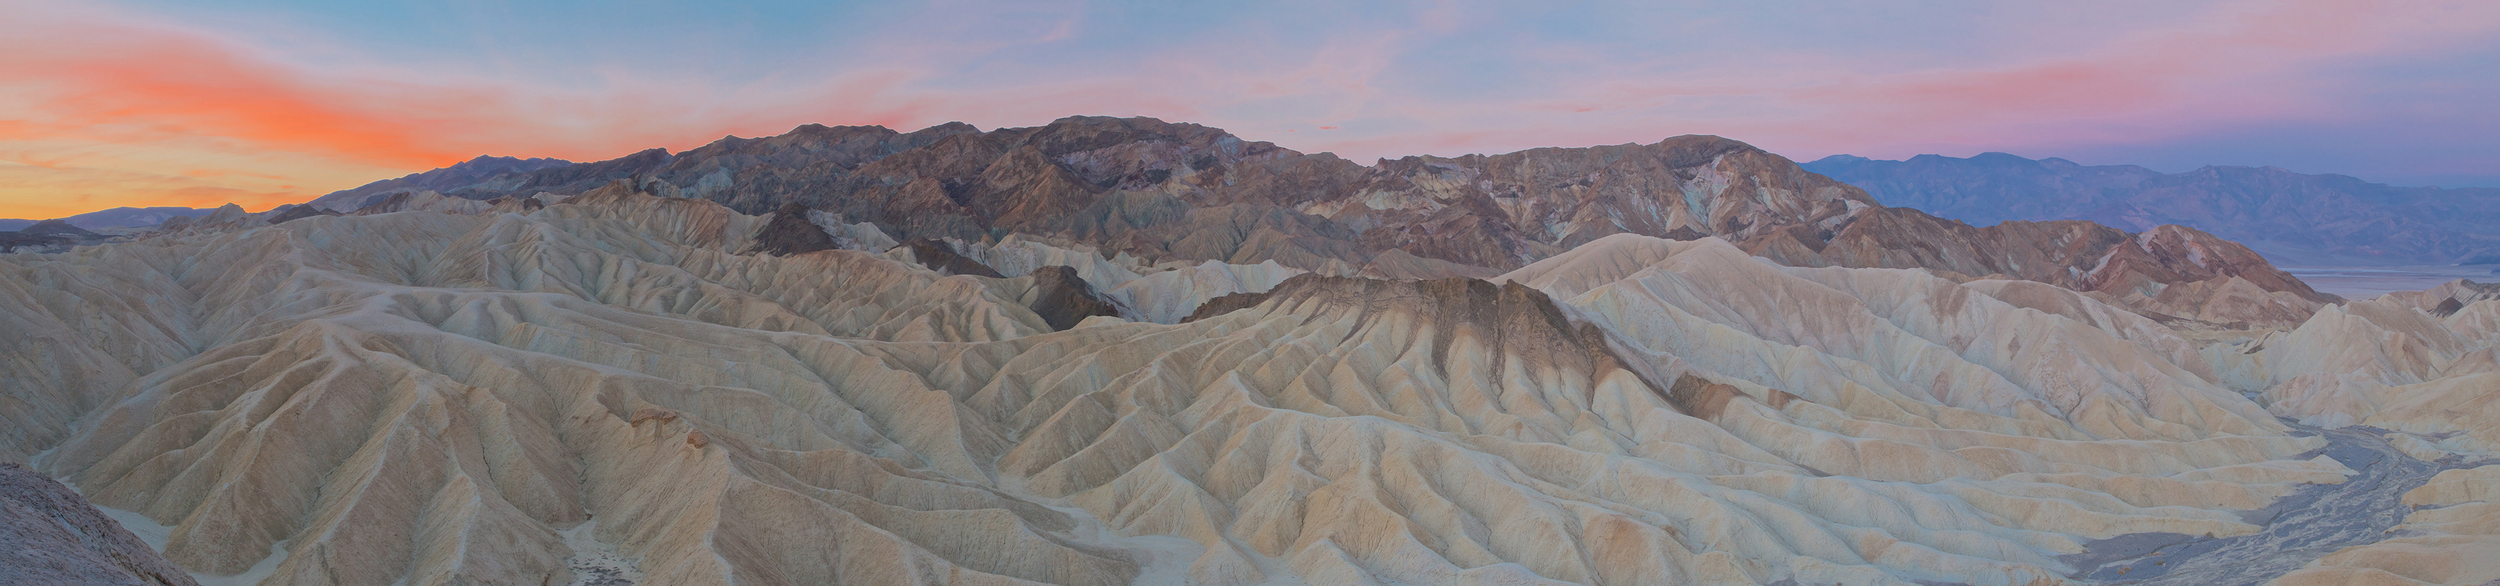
(124, 217)
(1123, 351)
(2292, 218)
(1183, 192)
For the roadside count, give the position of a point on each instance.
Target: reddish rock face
(1166, 191)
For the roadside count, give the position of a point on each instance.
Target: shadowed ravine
(2309, 524)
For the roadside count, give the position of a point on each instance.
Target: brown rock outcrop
(1225, 304)
(299, 212)
(937, 256)
(789, 232)
(1063, 299)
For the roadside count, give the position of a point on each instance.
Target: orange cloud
(50, 192)
(132, 85)
(132, 112)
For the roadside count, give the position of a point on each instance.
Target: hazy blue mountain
(480, 174)
(116, 218)
(2292, 218)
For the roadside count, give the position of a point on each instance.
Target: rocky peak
(2172, 253)
(57, 227)
(790, 231)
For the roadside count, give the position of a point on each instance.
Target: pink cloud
(2249, 61)
(107, 82)
(2241, 63)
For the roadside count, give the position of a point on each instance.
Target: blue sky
(113, 101)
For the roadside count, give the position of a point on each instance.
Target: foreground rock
(2301, 530)
(2420, 366)
(49, 535)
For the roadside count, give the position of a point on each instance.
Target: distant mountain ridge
(473, 175)
(124, 217)
(1184, 192)
(2292, 218)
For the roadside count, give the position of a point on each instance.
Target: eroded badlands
(495, 394)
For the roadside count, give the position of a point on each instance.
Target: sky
(107, 103)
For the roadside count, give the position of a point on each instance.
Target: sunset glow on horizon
(263, 103)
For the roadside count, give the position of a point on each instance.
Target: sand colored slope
(437, 398)
(1166, 297)
(2453, 538)
(2385, 364)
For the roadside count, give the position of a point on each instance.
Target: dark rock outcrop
(299, 212)
(12, 241)
(1225, 304)
(943, 259)
(50, 535)
(1064, 299)
(790, 232)
(57, 227)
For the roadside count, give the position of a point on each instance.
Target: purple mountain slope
(2292, 218)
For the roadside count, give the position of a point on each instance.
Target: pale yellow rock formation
(2451, 539)
(2382, 363)
(1018, 255)
(434, 398)
(1166, 297)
